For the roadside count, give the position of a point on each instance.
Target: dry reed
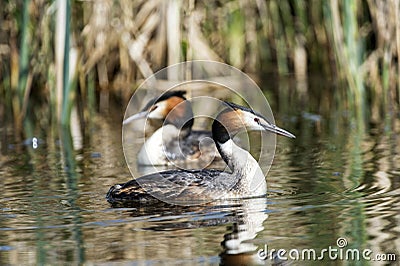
(117, 43)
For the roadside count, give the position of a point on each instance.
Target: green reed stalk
(24, 52)
(91, 96)
(348, 53)
(354, 51)
(300, 53)
(279, 38)
(67, 101)
(236, 38)
(65, 113)
(19, 72)
(288, 30)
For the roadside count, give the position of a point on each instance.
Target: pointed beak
(278, 130)
(137, 116)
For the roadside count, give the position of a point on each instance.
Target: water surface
(335, 180)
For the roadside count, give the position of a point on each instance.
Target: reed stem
(120, 42)
(67, 97)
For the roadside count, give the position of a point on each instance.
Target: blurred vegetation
(59, 57)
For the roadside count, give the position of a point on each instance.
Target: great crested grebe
(245, 180)
(175, 141)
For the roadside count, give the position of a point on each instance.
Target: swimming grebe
(245, 180)
(175, 141)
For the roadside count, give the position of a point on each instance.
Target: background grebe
(175, 141)
(194, 186)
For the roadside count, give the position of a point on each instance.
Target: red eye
(257, 120)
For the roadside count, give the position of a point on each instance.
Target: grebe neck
(251, 179)
(153, 150)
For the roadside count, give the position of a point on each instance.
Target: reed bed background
(71, 57)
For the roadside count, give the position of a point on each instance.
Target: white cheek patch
(159, 112)
(248, 120)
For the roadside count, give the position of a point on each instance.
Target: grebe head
(236, 118)
(172, 107)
